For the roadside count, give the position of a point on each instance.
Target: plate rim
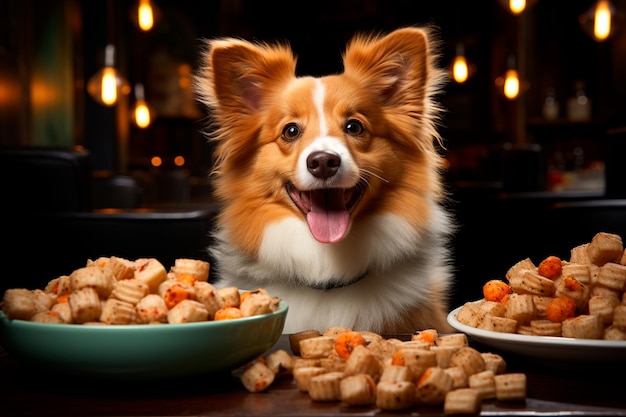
(538, 341)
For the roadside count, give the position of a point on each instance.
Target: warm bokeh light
(511, 84)
(185, 73)
(108, 91)
(460, 72)
(179, 160)
(517, 6)
(43, 93)
(142, 114)
(602, 20)
(145, 15)
(156, 161)
(106, 85)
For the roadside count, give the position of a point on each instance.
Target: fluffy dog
(330, 186)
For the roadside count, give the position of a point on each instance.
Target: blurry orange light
(109, 86)
(156, 161)
(511, 84)
(179, 161)
(142, 114)
(460, 71)
(602, 20)
(517, 6)
(145, 15)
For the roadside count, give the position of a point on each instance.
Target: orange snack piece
(560, 308)
(551, 267)
(63, 298)
(186, 279)
(398, 358)
(243, 295)
(347, 341)
(572, 284)
(228, 313)
(174, 295)
(426, 335)
(496, 290)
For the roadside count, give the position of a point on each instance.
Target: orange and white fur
(330, 187)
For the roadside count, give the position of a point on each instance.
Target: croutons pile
(114, 290)
(363, 369)
(583, 298)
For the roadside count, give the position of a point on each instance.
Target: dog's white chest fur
(399, 264)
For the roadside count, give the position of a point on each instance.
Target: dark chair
(53, 244)
(34, 179)
(615, 169)
(111, 190)
(569, 224)
(172, 185)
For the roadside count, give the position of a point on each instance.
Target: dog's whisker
(370, 173)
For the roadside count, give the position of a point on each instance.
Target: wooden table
(553, 389)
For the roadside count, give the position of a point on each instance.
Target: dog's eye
(291, 132)
(354, 128)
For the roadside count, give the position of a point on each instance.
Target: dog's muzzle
(327, 209)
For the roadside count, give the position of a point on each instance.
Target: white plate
(545, 347)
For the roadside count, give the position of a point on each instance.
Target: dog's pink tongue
(328, 219)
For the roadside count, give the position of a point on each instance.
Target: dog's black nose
(323, 164)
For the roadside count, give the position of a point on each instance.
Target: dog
(331, 187)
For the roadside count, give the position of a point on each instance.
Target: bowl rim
(283, 307)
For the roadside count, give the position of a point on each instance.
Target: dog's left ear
(236, 74)
(398, 65)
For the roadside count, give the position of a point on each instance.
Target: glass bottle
(550, 106)
(579, 105)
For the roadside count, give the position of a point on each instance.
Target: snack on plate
(117, 312)
(390, 374)
(116, 291)
(199, 270)
(579, 298)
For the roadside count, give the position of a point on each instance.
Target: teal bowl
(143, 351)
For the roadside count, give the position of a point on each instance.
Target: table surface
(552, 389)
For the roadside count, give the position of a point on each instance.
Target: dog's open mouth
(327, 210)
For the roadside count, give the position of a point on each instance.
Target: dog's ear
(236, 74)
(399, 65)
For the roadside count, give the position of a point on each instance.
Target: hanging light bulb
(145, 15)
(460, 70)
(511, 84)
(141, 113)
(599, 20)
(106, 85)
(517, 6)
(602, 20)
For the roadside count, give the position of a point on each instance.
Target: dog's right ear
(236, 75)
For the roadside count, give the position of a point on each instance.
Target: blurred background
(571, 83)
(535, 112)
